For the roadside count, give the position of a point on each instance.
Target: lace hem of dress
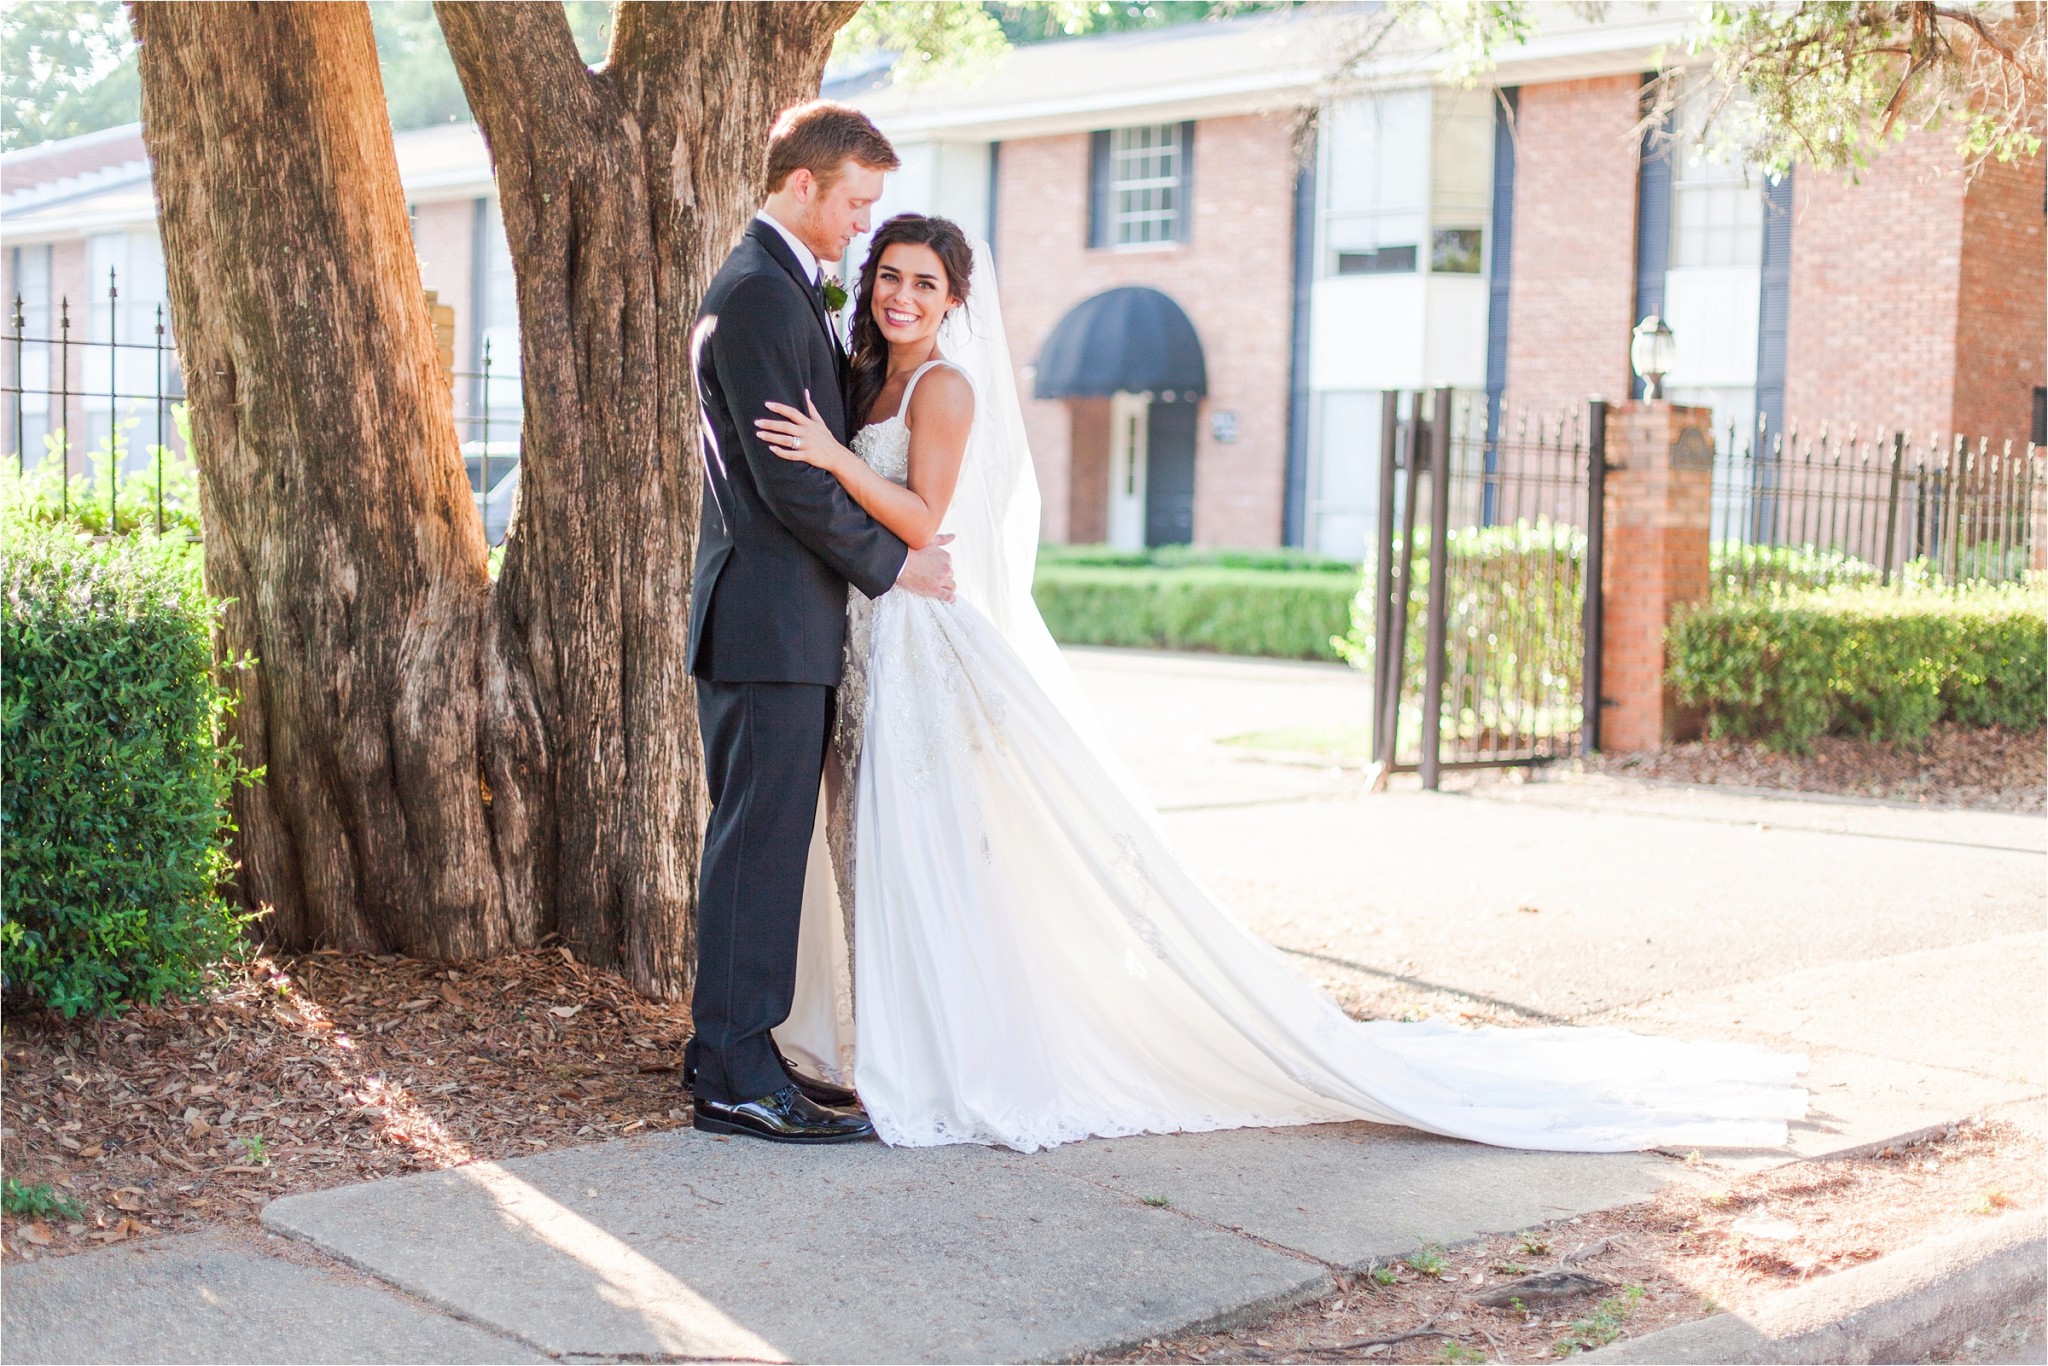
(1052, 1131)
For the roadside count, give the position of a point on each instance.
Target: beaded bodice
(885, 446)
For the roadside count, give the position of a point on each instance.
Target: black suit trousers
(764, 752)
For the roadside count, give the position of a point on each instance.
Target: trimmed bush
(1283, 560)
(1289, 614)
(114, 801)
(1739, 567)
(1887, 664)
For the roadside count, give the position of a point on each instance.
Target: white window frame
(1717, 200)
(1427, 208)
(1152, 170)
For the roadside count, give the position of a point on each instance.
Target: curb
(1904, 1307)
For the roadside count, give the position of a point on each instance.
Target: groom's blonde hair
(821, 137)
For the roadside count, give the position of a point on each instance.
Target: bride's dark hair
(870, 348)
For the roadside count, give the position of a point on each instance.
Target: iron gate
(1486, 640)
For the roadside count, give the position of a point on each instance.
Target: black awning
(1133, 340)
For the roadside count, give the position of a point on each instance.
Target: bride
(997, 944)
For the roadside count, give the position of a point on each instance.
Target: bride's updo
(870, 359)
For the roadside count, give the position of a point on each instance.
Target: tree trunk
(404, 774)
(452, 766)
(622, 189)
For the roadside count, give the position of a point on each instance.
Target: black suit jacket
(779, 539)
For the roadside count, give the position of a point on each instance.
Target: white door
(1127, 451)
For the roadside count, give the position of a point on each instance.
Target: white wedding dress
(998, 945)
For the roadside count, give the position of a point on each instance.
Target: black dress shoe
(821, 1092)
(788, 1116)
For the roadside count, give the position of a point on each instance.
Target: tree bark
(404, 774)
(453, 766)
(622, 189)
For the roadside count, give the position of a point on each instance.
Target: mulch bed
(1710, 1241)
(1993, 769)
(298, 1073)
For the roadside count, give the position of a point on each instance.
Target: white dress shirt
(805, 257)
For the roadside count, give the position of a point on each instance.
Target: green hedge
(1740, 568)
(114, 801)
(1290, 614)
(1887, 664)
(1284, 561)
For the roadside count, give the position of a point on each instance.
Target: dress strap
(903, 408)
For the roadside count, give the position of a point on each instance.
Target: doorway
(1151, 472)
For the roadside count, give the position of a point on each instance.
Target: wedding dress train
(999, 947)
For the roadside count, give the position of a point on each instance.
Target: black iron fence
(1486, 642)
(1820, 509)
(79, 390)
(91, 401)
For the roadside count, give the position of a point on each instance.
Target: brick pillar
(1660, 480)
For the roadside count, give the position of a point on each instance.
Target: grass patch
(1430, 1261)
(1603, 1325)
(38, 1201)
(1338, 744)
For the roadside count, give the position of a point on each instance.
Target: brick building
(1505, 239)
(1313, 249)
(71, 212)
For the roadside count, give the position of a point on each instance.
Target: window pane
(1716, 223)
(1385, 261)
(1455, 251)
(1145, 167)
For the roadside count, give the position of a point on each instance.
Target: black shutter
(1098, 189)
(1294, 502)
(1501, 257)
(1184, 192)
(1653, 223)
(995, 180)
(1774, 299)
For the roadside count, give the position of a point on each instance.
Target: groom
(779, 543)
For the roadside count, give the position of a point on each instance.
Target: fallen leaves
(1956, 766)
(297, 1073)
(1546, 1292)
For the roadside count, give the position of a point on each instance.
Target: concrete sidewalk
(683, 1245)
(1901, 949)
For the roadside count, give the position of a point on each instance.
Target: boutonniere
(835, 294)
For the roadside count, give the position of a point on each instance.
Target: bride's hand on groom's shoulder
(801, 436)
(928, 572)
